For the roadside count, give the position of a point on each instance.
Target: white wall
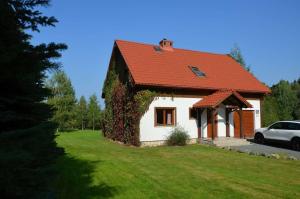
(149, 132)
(221, 121)
(231, 125)
(257, 112)
(204, 123)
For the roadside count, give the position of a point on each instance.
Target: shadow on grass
(75, 180)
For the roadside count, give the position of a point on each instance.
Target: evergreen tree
(236, 54)
(286, 99)
(29, 148)
(23, 66)
(81, 113)
(63, 101)
(94, 113)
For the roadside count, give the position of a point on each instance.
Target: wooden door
(209, 124)
(236, 123)
(248, 123)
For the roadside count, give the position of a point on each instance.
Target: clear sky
(267, 31)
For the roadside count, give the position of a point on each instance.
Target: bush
(178, 137)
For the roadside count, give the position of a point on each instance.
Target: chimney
(166, 44)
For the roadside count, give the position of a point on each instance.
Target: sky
(267, 32)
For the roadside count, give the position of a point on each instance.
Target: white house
(210, 95)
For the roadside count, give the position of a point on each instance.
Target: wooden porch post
(241, 123)
(199, 112)
(212, 115)
(227, 121)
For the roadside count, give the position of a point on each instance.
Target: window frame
(174, 113)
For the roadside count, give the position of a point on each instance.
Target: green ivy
(108, 120)
(144, 99)
(135, 105)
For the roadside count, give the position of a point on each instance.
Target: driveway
(267, 149)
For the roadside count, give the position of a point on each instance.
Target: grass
(95, 167)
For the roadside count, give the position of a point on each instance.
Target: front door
(248, 123)
(236, 124)
(209, 124)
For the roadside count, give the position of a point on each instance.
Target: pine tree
(236, 54)
(28, 148)
(63, 100)
(94, 112)
(81, 113)
(23, 66)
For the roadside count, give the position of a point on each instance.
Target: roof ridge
(153, 45)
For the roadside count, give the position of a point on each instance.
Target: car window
(277, 125)
(293, 126)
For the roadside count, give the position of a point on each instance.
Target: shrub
(179, 136)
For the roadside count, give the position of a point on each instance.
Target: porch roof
(213, 100)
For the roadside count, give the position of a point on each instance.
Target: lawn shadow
(75, 180)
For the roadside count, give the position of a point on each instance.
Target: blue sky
(267, 31)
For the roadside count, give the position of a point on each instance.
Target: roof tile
(171, 69)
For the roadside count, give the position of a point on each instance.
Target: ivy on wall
(107, 123)
(124, 108)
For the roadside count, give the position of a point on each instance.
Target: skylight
(197, 71)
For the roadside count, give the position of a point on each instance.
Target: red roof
(218, 97)
(149, 67)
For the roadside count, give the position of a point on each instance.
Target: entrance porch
(225, 116)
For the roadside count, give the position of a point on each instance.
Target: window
(197, 71)
(165, 116)
(278, 125)
(192, 113)
(293, 126)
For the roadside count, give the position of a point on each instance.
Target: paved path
(259, 148)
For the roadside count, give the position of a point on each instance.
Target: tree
(270, 111)
(236, 54)
(63, 100)
(296, 88)
(286, 99)
(94, 112)
(82, 113)
(27, 138)
(23, 66)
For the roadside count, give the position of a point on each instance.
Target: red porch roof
(218, 97)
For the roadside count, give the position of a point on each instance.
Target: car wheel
(259, 138)
(296, 144)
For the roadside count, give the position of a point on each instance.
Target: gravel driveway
(267, 149)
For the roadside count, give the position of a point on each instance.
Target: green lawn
(95, 167)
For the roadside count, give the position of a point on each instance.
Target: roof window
(197, 71)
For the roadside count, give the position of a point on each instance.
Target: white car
(286, 131)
